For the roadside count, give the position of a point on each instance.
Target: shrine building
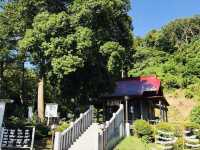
(141, 97)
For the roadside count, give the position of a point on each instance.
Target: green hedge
(142, 128)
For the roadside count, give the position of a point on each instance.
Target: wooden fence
(113, 130)
(63, 140)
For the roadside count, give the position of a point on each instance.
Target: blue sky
(153, 14)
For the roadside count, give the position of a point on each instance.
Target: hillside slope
(180, 107)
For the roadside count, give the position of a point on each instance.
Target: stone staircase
(88, 140)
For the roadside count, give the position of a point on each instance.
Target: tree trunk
(1, 80)
(22, 84)
(41, 98)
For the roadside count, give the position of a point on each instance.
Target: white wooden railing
(113, 130)
(63, 140)
(1, 136)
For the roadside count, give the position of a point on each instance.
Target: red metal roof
(136, 86)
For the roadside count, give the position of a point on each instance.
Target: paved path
(88, 140)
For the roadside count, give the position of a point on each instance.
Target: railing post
(100, 140)
(57, 141)
(72, 132)
(92, 114)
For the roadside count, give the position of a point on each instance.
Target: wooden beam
(158, 106)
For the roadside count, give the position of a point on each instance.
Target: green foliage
(173, 35)
(166, 127)
(177, 70)
(178, 130)
(195, 115)
(77, 43)
(146, 139)
(142, 128)
(115, 54)
(191, 125)
(41, 131)
(62, 126)
(132, 143)
(171, 53)
(189, 94)
(63, 40)
(179, 145)
(16, 121)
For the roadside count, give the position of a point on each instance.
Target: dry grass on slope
(180, 107)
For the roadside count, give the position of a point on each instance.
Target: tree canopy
(79, 46)
(172, 53)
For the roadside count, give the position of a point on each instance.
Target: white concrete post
(127, 129)
(57, 141)
(2, 109)
(30, 112)
(127, 126)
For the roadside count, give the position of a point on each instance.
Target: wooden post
(104, 113)
(126, 103)
(163, 112)
(166, 113)
(141, 110)
(160, 105)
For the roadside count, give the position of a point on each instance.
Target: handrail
(63, 140)
(113, 130)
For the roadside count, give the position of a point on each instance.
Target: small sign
(51, 110)
(18, 138)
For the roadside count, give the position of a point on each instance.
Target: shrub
(189, 94)
(142, 128)
(16, 121)
(179, 145)
(41, 131)
(171, 81)
(146, 139)
(191, 126)
(164, 126)
(195, 115)
(62, 126)
(178, 130)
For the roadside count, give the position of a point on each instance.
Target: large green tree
(19, 17)
(85, 46)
